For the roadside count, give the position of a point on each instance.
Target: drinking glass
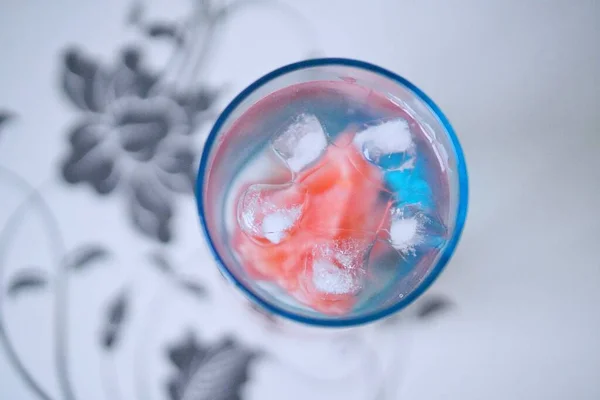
(226, 153)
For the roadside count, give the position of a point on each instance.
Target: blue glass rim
(339, 322)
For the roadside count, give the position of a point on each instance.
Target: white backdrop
(106, 293)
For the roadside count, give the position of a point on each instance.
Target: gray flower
(142, 144)
(131, 139)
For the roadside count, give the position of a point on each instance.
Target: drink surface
(347, 198)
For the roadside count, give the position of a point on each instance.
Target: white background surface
(520, 81)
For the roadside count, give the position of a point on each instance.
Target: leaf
(5, 116)
(221, 375)
(159, 260)
(432, 306)
(86, 256)
(108, 339)
(194, 288)
(27, 279)
(151, 208)
(117, 310)
(134, 16)
(115, 316)
(173, 389)
(161, 30)
(87, 161)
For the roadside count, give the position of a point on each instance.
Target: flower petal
(130, 77)
(151, 206)
(196, 104)
(140, 130)
(178, 183)
(84, 82)
(87, 135)
(107, 178)
(176, 159)
(88, 161)
(176, 166)
(143, 123)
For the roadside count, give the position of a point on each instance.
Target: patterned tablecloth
(108, 291)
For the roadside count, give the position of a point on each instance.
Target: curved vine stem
(5, 341)
(110, 378)
(153, 309)
(60, 287)
(216, 20)
(181, 54)
(368, 368)
(306, 29)
(386, 373)
(186, 63)
(61, 334)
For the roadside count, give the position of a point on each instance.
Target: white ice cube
(404, 234)
(270, 211)
(413, 228)
(339, 265)
(275, 225)
(301, 143)
(379, 143)
(329, 278)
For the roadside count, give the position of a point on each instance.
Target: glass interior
(225, 154)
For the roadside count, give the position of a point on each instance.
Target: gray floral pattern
(134, 135)
(216, 372)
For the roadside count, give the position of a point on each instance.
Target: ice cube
(338, 265)
(275, 225)
(388, 145)
(331, 279)
(384, 267)
(404, 233)
(268, 213)
(412, 228)
(301, 143)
